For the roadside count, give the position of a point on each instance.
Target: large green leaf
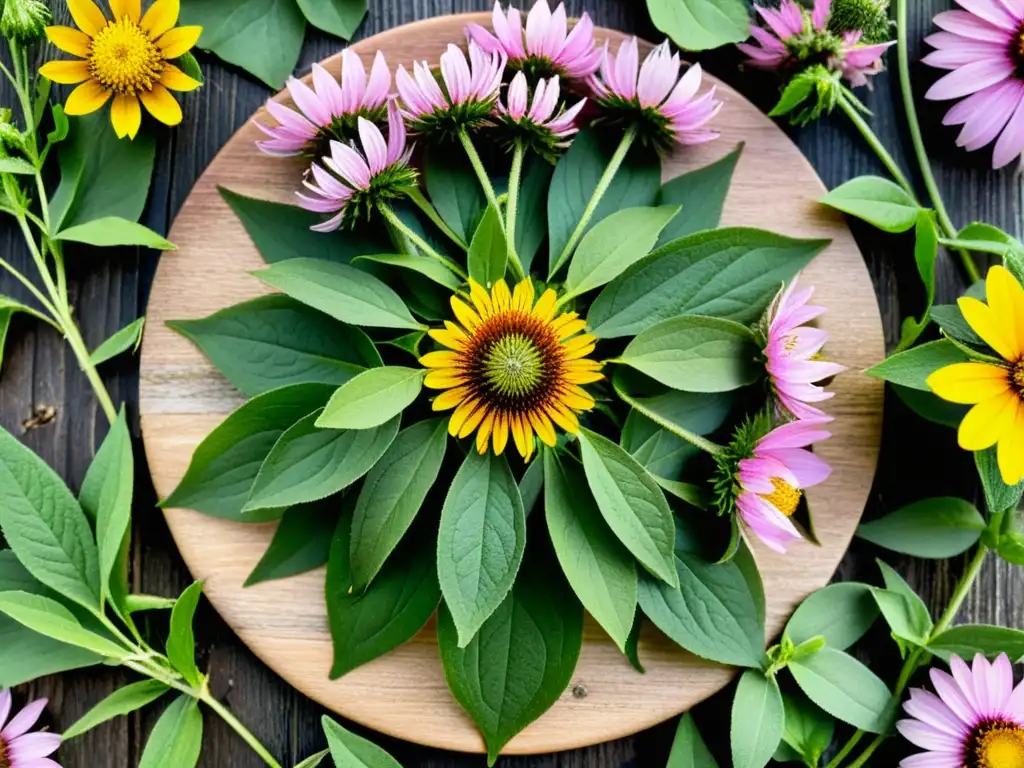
(50, 618)
(758, 720)
(688, 748)
(731, 273)
(841, 613)
(661, 452)
(522, 659)
(454, 189)
(338, 17)
(372, 398)
(227, 462)
(532, 214)
(702, 195)
(844, 688)
(913, 367)
(177, 737)
(110, 231)
(301, 542)
(599, 568)
(933, 528)
(967, 640)
(481, 541)
(273, 341)
(699, 25)
(488, 252)
(349, 750)
(808, 730)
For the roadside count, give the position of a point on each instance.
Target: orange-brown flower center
(996, 744)
(1017, 377)
(124, 59)
(5, 761)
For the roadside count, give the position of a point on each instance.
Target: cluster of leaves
(337, 436)
(700, 25)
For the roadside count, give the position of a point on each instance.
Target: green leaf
(402, 597)
(481, 541)
(314, 760)
(106, 497)
(576, 177)
(879, 202)
(844, 688)
(188, 64)
(632, 649)
(688, 748)
(136, 603)
(488, 253)
(44, 525)
(808, 730)
(531, 486)
(181, 642)
(632, 504)
(522, 659)
(712, 613)
(694, 495)
(16, 166)
(301, 542)
(50, 618)
(6, 313)
(263, 37)
(758, 720)
(372, 398)
(129, 337)
(937, 528)
(600, 570)
(695, 354)
(999, 496)
(793, 95)
(454, 190)
(177, 737)
(661, 452)
(931, 407)
(392, 495)
(926, 251)
(430, 269)
(308, 463)
(351, 751)
(614, 244)
(101, 175)
(913, 367)
(699, 25)
(967, 640)
(121, 702)
(340, 18)
(953, 323)
(341, 291)
(903, 609)
(532, 215)
(841, 613)
(282, 232)
(731, 273)
(1011, 547)
(110, 231)
(227, 462)
(702, 195)
(273, 341)
(61, 125)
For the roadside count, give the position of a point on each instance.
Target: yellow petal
(126, 116)
(176, 80)
(518, 434)
(66, 72)
(70, 40)
(583, 365)
(986, 423)
(453, 337)
(969, 383)
(130, 8)
(989, 326)
(179, 41)
(576, 354)
(473, 421)
(443, 378)
(522, 295)
(87, 15)
(161, 16)
(481, 299)
(448, 400)
(1011, 449)
(576, 398)
(162, 105)
(500, 433)
(583, 377)
(501, 296)
(465, 315)
(442, 359)
(1006, 299)
(544, 309)
(564, 418)
(86, 98)
(573, 345)
(486, 424)
(545, 431)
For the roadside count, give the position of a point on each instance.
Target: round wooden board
(404, 693)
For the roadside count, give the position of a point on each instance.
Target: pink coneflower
(976, 720)
(794, 37)
(792, 353)
(356, 181)
(984, 49)
(329, 110)
(653, 97)
(538, 124)
(467, 99)
(547, 47)
(773, 477)
(18, 747)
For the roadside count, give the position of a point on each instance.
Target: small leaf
(531, 486)
(953, 323)
(845, 688)
(136, 603)
(701, 193)
(314, 760)
(181, 642)
(931, 407)
(937, 528)
(340, 18)
(301, 542)
(967, 640)
(903, 609)
(793, 95)
(880, 202)
(188, 64)
(758, 720)
(842, 613)
(50, 618)
(351, 751)
(488, 253)
(913, 367)
(177, 737)
(61, 126)
(121, 702)
(16, 166)
(688, 748)
(926, 251)
(999, 496)
(113, 230)
(372, 398)
(699, 25)
(129, 337)
(808, 730)
(429, 268)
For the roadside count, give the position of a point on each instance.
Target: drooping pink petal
(928, 708)
(24, 720)
(397, 139)
(948, 690)
(808, 469)
(982, 128)
(796, 434)
(773, 528)
(927, 737)
(484, 38)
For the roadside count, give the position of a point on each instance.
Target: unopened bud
(869, 17)
(24, 20)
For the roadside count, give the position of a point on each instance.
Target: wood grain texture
(182, 398)
(111, 288)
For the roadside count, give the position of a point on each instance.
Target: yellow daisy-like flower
(126, 58)
(511, 367)
(995, 390)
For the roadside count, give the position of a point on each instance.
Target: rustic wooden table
(39, 371)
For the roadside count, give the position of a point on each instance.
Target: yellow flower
(995, 390)
(127, 58)
(511, 367)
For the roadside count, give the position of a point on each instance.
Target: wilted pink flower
(654, 97)
(355, 182)
(547, 47)
(982, 45)
(470, 90)
(792, 351)
(975, 721)
(18, 747)
(538, 124)
(772, 481)
(328, 110)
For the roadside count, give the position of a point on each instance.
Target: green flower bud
(24, 20)
(870, 17)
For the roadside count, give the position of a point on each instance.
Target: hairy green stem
(392, 218)
(481, 172)
(595, 199)
(876, 145)
(515, 181)
(701, 442)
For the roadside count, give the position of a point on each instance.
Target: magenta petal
(374, 146)
(982, 128)
(32, 746)
(933, 760)
(1010, 144)
(927, 737)
(809, 470)
(992, 12)
(24, 720)
(353, 80)
(328, 90)
(969, 25)
(928, 708)
(820, 14)
(950, 693)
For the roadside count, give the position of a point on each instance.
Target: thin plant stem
(595, 199)
(700, 442)
(903, 65)
(32, 289)
(431, 213)
(879, 149)
(515, 181)
(393, 219)
(238, 727)
(481, 172)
